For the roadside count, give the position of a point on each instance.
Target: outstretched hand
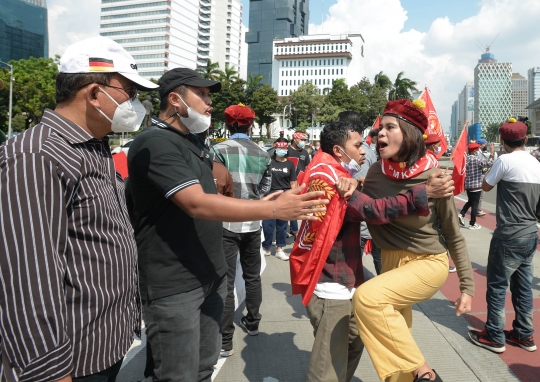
(439, 185)
(292, 206)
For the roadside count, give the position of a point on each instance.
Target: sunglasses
(132, 92)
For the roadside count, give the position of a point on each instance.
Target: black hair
(413, 146)
(68, 84)
(335, 133)
(235, 129)
(353, 118)
(281, 139)
(514, 144)
(374, 133)
(182, 90)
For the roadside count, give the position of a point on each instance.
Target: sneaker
(226, 353)
(481, 213)
(451, 269)
(483, 339)
(251, 330)
(282, 255)
(475, 226)
(426, 377)
(266, 251)
(461, 220)
(527, 344)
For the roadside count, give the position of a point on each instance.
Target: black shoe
(252, 330)
(426, 377)
(482, 339)
(527, 344)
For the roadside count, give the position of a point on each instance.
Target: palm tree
(228, 74)
(383, 81)
(253, 84)
(402, 88)
(210, 71)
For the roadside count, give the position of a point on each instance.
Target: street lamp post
(10, 96)
(285, 108)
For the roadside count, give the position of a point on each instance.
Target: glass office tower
(23, 29)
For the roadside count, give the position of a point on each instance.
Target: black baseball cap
(184, 76)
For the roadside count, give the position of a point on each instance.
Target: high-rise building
(519, 95)
(23, 29)
(492, 90)
(166, 34)
(465, 106)
(319, 59)
(454, 120)
(533, 93)
(269, 20)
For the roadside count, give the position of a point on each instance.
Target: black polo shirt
(177, 253)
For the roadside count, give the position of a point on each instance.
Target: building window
(342, 61)
(281, 91)
(324, 72)
(332, 71)
(143, 22)
(341, 71)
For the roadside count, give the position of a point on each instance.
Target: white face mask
(437, 150)
(127, 117)
(353, 168)
(195, 122)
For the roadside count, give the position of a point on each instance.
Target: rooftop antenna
(488, 47)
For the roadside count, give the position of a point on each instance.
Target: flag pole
(459, 139)
(374, 122)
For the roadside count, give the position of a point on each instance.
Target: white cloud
(444, 57)
(71, 21)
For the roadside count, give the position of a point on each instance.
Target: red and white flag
(434, 125)
(376, 125)
(459, 157)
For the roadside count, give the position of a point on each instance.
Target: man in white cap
(69, 299)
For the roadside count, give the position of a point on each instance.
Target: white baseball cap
(101, 54)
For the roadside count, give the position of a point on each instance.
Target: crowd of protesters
(87, 256)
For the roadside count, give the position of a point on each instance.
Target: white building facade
(519, 95)
(166, 34)
(533, 85)
(492, 90)
(318, 59)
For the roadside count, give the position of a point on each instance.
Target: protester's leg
(481, 200)
(467, 204)
(356, 346)
(269, 227)
(173, 330)
(250, 258)
(406, 279)
(474, 199)
(331, 327)
(107, 375)
(376, 254)
(521, 287)
(497, 276)
(281, 234)
(210, 328)
(230, 249)
(294, 226)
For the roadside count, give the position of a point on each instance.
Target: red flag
(121, 164)
(459, 157)
(434, 125)
(375, 126)
(315, 238)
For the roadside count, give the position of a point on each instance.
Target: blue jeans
(510, 261)
(280, 226)
(294, 226)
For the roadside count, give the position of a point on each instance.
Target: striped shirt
(249, 168)
(68, 263)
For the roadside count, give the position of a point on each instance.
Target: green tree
(34, 89)
(402, 88)
(383, 81)
(154, 98)
(210, 71)
(232, 93)
(265, 104)
(305, 100)
(374, 99)
(229, 74)
(491, 132)
(253, 84)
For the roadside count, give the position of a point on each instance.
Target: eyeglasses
(132, 92)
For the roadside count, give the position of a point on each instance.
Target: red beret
(299, 135)
(240, 114)
(513, 130)
(473, 146)
(432, 138)
(406, 111)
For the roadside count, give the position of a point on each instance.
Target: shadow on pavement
(294, 301)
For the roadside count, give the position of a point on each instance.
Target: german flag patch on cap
(100, 64)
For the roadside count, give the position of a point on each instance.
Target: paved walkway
(281, 351)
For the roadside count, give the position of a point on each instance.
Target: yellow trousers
(383, 310)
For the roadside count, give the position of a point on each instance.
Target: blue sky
(420, 13)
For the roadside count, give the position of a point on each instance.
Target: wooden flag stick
(453, 151)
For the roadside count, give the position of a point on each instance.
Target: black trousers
(249, 245)
(474, 201)
(107, 375)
